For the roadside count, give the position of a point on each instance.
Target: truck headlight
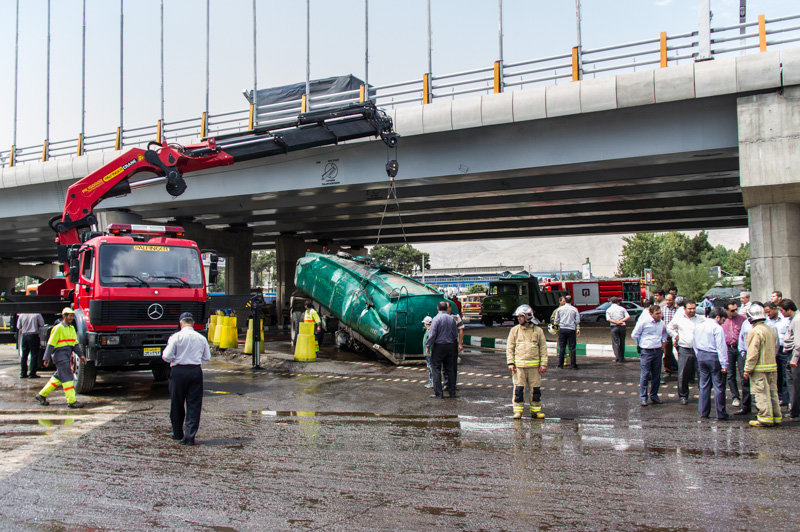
(109, 340)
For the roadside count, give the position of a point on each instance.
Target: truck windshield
(503, 289)
(150, 265)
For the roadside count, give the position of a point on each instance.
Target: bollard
(305, 350)
(212, 326)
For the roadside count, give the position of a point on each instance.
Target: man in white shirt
(650, 335)
(712, 356)
(617, 316)
(568, 320)
(744, 297)
(681, 329)
(186, 350)
(780, 324)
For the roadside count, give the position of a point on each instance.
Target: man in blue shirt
(712, 362)
(650, 335)
(443, 345)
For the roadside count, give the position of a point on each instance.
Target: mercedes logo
(155, 311)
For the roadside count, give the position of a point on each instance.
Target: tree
(260, 262)
(477, 289)
(693, 280)
(401, 258)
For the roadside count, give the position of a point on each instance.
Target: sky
(464, 37)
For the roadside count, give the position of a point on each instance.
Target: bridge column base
(774, 250)
(7, 284)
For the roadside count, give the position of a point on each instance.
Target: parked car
(598, 314)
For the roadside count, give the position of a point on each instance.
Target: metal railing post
(204, 125)
(663, 49)
(80, 145)
(426, 89)
(576, 67)
(498, 77)
(762, 33)
(704, 30)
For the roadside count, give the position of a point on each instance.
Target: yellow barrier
(305, 349)
(248, 343)
(218, 330)
(229, 338)
(212, 326)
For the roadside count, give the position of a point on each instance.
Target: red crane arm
(111, 180)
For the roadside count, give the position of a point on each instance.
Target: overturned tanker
(376, 306)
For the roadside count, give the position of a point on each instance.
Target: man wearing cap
(186, 350)
(62, 346)
(28, 327)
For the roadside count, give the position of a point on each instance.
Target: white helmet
(756, 312)
(525, 310)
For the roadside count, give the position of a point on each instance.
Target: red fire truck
(129, 285)
(589, 293)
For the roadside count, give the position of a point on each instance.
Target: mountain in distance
(540, 254)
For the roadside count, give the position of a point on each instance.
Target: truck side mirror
(74, 265)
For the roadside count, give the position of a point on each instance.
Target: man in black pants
(443, 345)
(28, 327)
(791, 343)
(186, 350)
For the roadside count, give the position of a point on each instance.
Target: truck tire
(85, 376)
(487, 321)
(161, 372)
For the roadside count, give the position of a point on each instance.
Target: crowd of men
(752, 349)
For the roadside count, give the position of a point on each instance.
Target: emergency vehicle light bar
(139, 229)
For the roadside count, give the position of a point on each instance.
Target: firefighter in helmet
(761, 368)
(526, 355)
(62, 348)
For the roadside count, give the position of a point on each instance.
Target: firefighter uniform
(311, 316)
(527, 351)
(61, 345)
(762, 366)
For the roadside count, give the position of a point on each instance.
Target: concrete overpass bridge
(700, 145)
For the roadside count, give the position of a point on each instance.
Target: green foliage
(693, 280)
(260, 263)
(572, 277)
(477, 289)
(219, 286)
(401, 258)
(669, 255)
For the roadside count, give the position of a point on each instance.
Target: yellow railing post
(80, 144)
(118, 141)
(158, 131)
(203, 125)
(12, 156)
(498, 77)
(762, 33)
(251, 118)
(663, 49)
(361, 93)
(426, 88)
(44, 151)
(303, 103)
(576, 71)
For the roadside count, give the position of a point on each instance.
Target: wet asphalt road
(349, 443)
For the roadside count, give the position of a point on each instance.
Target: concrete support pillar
(775, 250)
(237, 268)
(106, 218)
(769, 167)
(287, 250)
(234, 244)
(7, 285)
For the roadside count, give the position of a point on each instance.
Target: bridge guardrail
(663, 51)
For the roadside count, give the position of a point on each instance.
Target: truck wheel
(487, 321)
(161, 372)
(85, 376)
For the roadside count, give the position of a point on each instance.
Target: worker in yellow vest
(526, 356)
(761, 368)
(311, 316)
(62, 346)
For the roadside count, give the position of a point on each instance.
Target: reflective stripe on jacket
(311, 316)
(761, 349)
(526, 346)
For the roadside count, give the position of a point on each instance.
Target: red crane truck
(129, 285)
(589, 293)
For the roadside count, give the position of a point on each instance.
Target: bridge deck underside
(683, 191)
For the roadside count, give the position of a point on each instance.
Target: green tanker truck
(507, 293)
(367, 304)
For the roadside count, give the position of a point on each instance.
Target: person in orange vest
(62, 347)
(311, 316)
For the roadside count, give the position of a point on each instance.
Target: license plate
(152, 351)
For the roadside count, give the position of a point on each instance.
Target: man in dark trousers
(28, 327)
(186, 350)
(443, 345)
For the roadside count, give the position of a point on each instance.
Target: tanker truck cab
(131, 286)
